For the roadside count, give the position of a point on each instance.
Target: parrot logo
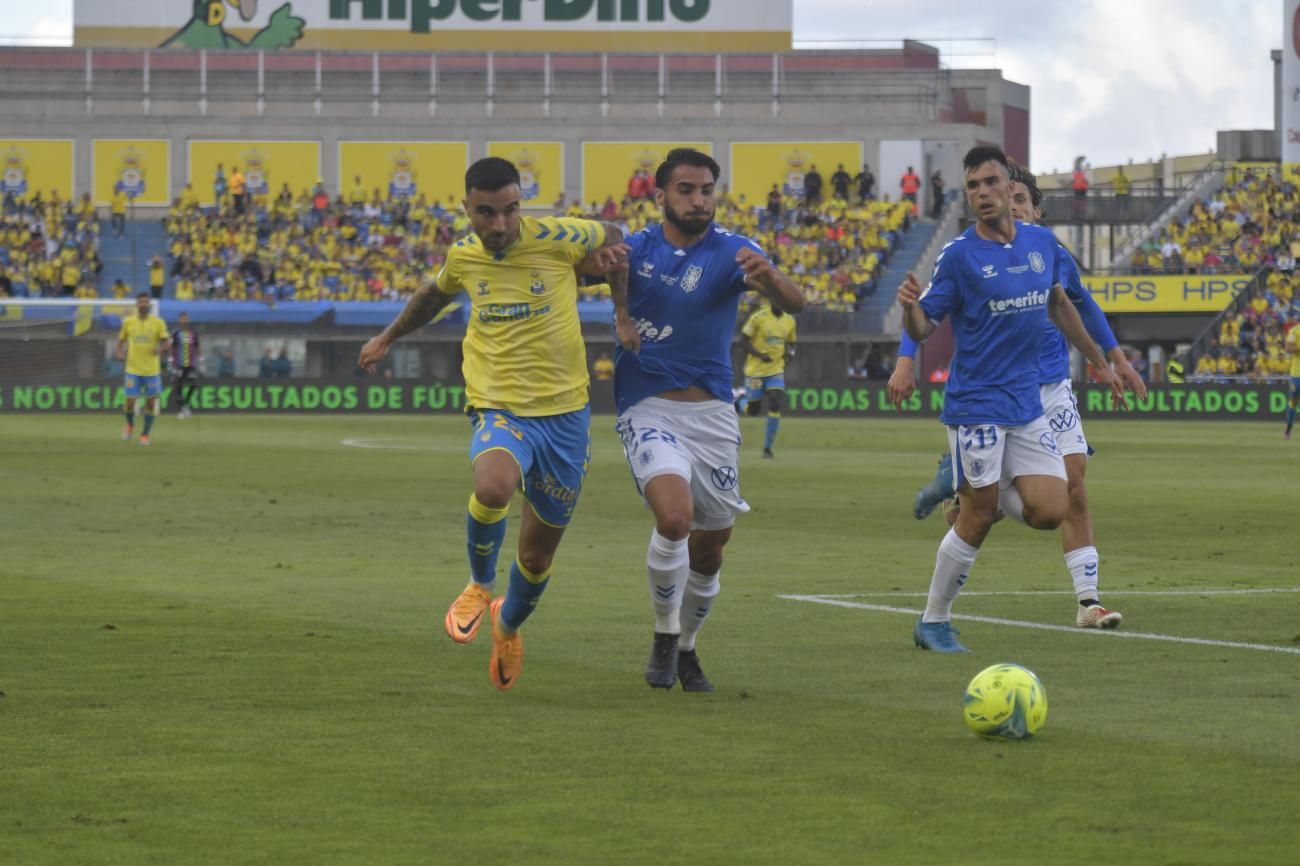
(205, 29)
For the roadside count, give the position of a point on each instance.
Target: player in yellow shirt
(526, 384)
(142, 342)
(768, 340)
(1293, 349)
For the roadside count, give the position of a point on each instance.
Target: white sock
(1083, 565)
(1012, 504)
(951, 568)
(697, 601)
(666, 564)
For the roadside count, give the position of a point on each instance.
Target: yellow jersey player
(142, 341)
(1293, 349)
(526, 385)
(768, 340)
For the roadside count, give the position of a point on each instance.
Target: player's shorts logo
(691, 279)
(1064, 420)
(1036, 262)
(647, 457)
(724, 478)
(1048, 441)
(977, 466)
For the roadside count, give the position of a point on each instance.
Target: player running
(1059, 407)
(675, 308)
(526, 381)
(185, 360)
(1000, 281)
(142, 342)
(768, 340)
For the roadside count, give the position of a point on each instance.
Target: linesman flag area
(649, 432)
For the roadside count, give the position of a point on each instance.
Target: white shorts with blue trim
(987, 454)
(1061, 410)
(699, 442)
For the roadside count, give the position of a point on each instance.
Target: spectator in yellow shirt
(119, 212)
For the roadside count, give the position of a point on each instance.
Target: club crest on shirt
(537, 286)
(482, 287)
(691, 278)
(1036, 262)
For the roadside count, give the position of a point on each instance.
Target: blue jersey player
(675, 312)
(1000, 282)
(1060, 409)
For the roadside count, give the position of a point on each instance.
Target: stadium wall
(809, 96)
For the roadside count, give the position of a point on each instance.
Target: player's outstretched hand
(909, 292)
(628, 335)
(1130, 379)
(604, 260)
(374, 351)
(902, 382)
(757, 267)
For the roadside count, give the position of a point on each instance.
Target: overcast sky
(1112, 79)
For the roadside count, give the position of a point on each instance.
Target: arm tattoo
(617, 279)
(426, 303)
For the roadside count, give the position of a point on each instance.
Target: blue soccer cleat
(939, 489)
(938, 636)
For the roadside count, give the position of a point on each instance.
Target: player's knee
(1078, 494)
(493, 492)
(536, 561)
(1048, 514)
(673, 524)
(753, 407)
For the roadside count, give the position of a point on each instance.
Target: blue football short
(756, 386)
(553, 453)
(143, 386)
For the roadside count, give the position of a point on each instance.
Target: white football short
(699, 442)
(985, 454)
(1061, 410)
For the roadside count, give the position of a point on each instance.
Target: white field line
(1109, 592)
(1136, 635)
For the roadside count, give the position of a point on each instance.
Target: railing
(54, 75)
(1209, 176)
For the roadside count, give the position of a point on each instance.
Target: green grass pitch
(227, 649)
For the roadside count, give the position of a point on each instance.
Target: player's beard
(696, 224)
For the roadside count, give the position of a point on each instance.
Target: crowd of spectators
(364, 245)
(1251, 223)
(1250, 342)
(49, 247)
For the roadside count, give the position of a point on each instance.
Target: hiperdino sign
(443, 25)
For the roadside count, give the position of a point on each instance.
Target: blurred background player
(681, 289)
(185, 361)
(768, 340)
(526, 385)
(1000, 282)
(1059, 406)
(1293, 349)
(142, 341)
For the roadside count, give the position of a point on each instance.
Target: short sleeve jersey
(997, 295)
(769, 334)
(523, 347)
(684, 303)
(142, 338)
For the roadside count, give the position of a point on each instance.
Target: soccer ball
(1005, 702)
